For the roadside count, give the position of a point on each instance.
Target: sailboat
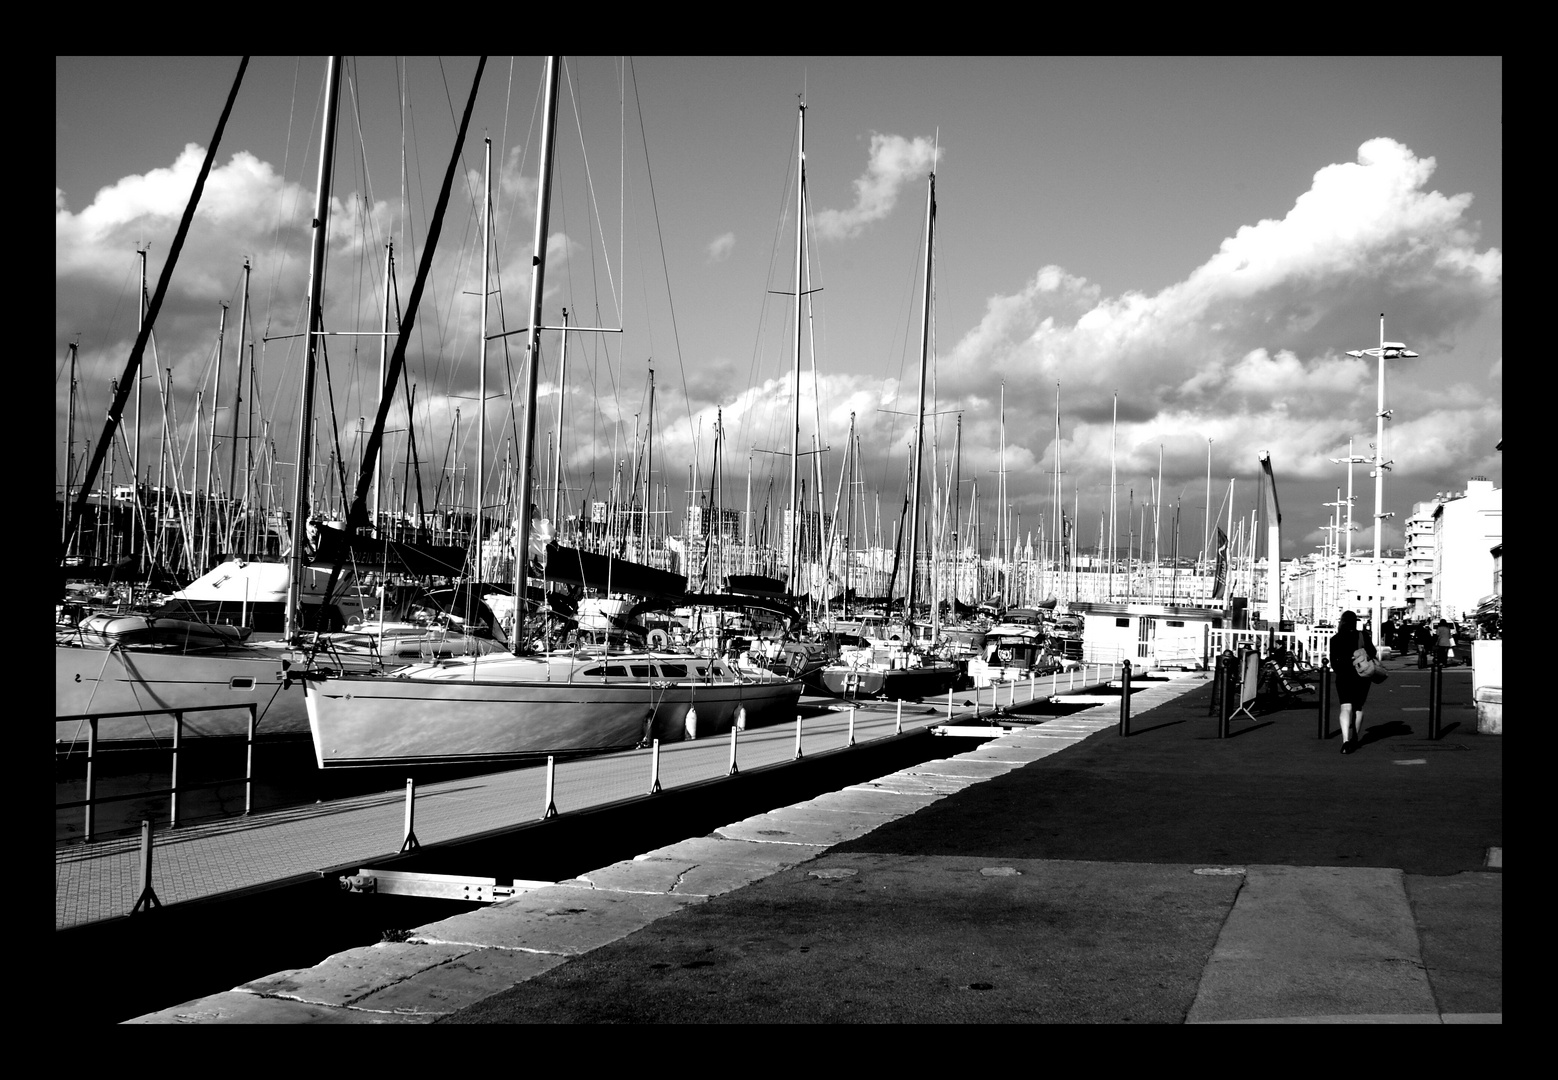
(898, 668)
(520, 705)
(188, 655)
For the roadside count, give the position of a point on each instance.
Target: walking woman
(1352, 689)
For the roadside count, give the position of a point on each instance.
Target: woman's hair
(1348, 621)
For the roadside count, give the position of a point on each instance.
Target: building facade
(1467, 526)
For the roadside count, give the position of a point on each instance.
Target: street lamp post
(1388, 350)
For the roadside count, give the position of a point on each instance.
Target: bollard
(410, 843)
(1225, 699)
(654, 767)
(1217, 684)
(1435, 697)
(1125, 699)
(1325, 699)
(551, 779)
(146, 898)
(797, 736)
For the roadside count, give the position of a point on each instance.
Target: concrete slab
(348, 976)
(819, 828)
(704, 850)
(910, 782)
(1316, 941)
(237, 1007)
(562, 919)
(447, 988)
(963, 766)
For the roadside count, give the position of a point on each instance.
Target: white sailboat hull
(96, 680)
(509, 708)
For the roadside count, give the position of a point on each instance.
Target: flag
(1221, 578)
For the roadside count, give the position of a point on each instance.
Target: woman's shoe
(1346, 747)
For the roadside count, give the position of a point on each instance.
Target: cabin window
(643, 671)
(614, 671)
(241, 682)
(1122, 622)
(1176, 622)
(673, 671)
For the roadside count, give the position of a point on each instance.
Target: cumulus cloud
(895, 161)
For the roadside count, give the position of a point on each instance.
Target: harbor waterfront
(1060, 872)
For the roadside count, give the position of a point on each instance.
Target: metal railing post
(146, 896)
(851, 726)
(733, 769)
(797, 736)
(1217, 685)
(551, 785)
(91, 779)
(1125, 699)
(654, 767)
(898, 727)
(1325, 699)
(173, 795)
(248, 768)
(410, 841)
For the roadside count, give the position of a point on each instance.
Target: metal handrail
(173, 790)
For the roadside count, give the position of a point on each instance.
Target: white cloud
(721, 246)
(895, 161)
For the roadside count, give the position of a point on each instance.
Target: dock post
(851, 726)
(551, 785)
(410, 843)
(733, 769)
(146, 896)
(654, 767)
(91, 780)
(1325, 700)
(1125, 700)
(1032, 687)
(949, 704)
(173, 794)
(248, 768)
(797, 736)
(898, 729)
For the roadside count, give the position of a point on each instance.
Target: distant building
(1467, 526)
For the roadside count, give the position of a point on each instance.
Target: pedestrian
(1352, 689)
(1445, 640)
(1422, 637)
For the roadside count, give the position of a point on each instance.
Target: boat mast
(533, 342)
(795, 382)
(481, 392)
(919, 423)
(316, 273)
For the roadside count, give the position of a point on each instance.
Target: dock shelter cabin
(1152, 635)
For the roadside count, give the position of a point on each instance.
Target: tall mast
(919, 422)
(557, 460)
(389, 278)
(70, 454)
(533, 343)
(316, 284)
(216, 391)
(232, 456)
(1113, 492)
(795, 381)
(481, 392)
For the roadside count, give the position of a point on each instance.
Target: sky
(1181, 250)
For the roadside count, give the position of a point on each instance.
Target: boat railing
(175, 788)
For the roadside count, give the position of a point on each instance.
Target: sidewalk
(1057, 874)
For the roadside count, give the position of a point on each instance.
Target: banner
(1221, 579)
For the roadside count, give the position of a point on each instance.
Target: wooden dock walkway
(100, 880)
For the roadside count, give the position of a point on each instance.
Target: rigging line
(589, 180)
(281, 204)
(664, 265)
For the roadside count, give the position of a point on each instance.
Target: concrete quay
(1059, 873)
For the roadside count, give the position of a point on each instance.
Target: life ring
(658, 639)
(1005, 655)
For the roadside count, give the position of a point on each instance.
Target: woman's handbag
(1366, 667)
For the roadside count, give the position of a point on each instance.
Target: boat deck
(100, 880)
